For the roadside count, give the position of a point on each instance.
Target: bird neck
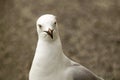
(49, 59)
(48, 52)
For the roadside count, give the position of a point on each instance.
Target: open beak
(50, 32)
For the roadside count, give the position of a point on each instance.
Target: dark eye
(54, 23)
(39, 26)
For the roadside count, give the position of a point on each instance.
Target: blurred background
(89, 30)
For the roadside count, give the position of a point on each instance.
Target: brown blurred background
(89, 29)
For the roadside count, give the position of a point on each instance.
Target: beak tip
(51, 35)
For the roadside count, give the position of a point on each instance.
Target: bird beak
(50, 32)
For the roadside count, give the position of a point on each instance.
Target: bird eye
(54, 23)
(39, 25)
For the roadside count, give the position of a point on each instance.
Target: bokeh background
(89, 30)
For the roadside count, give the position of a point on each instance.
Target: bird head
(47, 27)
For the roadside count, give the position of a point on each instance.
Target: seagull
(50, 63)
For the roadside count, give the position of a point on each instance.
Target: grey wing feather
(82, 73)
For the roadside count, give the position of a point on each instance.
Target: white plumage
(49, 62)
